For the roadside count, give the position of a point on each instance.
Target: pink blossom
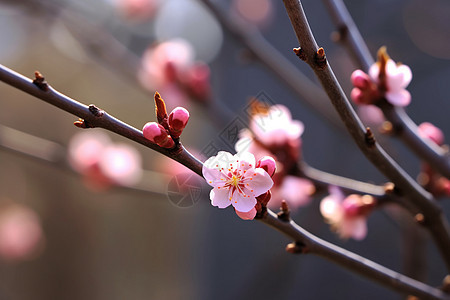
(138, 9)
(296, 191)
(162, 64)
(102, 162)
(258, 12)
(371, 115)
(428, 130)
(21, 235)
(347, 215)
(276, 127)
(398, 77)
(235, 180)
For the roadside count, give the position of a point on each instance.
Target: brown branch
(306, 242)
(94, 117)
(405, 185)
(403, 126)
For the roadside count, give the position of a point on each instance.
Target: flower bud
(157, 134)
(360, 79)
(428, 130)
(268, 164)
(178, 119)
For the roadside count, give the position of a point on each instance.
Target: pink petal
(220, 197)
(374, 72)
(296, 191)
(331, 209)
(246, 160)
(355, 228)
(399, 98)
(260, 183)
(243, 203)
(250, 215)
(407, 74)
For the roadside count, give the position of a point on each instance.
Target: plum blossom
(103, 163)
(21, 236)
(347, 215)
(170, 68)
(428, 130)
(236, 181)
(385, 78)
(139, 10)
(258, 12)
(272, 132)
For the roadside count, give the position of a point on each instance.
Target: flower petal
(296, 191)
(220, 197)
(246, 160)
(399, 98)
(250, 215)
(331, 209)
(355, 228)
(243, 203)
(259, 183)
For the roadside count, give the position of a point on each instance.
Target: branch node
(321, 59)
(389, 188)
(420, 218)
(296, 248)
(300, 53)
(284, 214)
(370, 138)
(40, 82)
(97, 112)
(82, 124)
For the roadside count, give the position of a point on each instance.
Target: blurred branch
(54, 154)
(94, 117)
(275, 62)
(434, 219)
(403, 126)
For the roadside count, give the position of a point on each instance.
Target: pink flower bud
(198, 81)
(178, 119)
(250, 215)
(428, 130)
(357, 96)
(157, 134)
(268, 164)
(360, 79)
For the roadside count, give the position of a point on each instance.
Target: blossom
(102, 162)
(295, 190)
(385, 78)
(138, 9)
(428, 130)
(235, 180)
(276, 127)
(347, 215)
(21, 235)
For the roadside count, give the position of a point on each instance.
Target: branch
(308, 243)
(97, 118)
(93, 116)
(315, 57)
(403, 126)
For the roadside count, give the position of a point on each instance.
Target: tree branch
(97, 118)
(315, 57)
(94, 117)
(403, 126)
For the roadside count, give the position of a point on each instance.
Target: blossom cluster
(385, 79)
(102, 162)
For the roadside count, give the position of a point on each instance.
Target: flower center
(234, 181)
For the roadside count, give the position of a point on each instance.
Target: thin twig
(97, 118)
(403, 126)
(405, 185)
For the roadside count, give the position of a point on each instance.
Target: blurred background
(104, 240)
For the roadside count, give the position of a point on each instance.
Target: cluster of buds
(167, 131)
(435, 183)
(170, 67)
(385, 79)
(347, 215)
(272, 132)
